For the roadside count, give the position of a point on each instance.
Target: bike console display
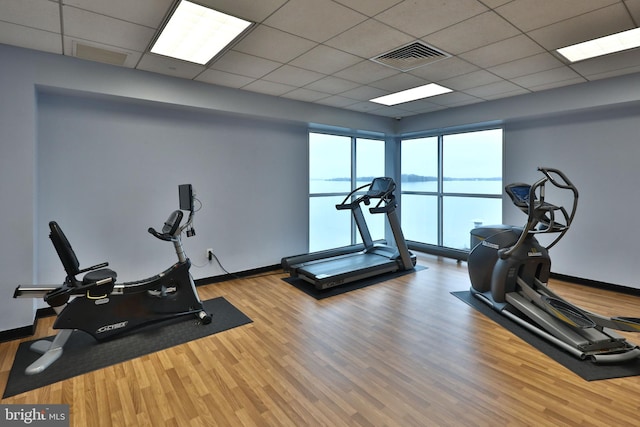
(185, 194)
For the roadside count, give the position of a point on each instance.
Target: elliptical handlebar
(548, 172)
(540, 212)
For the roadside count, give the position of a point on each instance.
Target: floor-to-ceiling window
(451, 183)
(337, 165)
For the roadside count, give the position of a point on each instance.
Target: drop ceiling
(321, 51)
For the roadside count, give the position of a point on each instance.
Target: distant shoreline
(419, 178)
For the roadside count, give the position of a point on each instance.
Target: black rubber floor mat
(583, 368)
(83, 354)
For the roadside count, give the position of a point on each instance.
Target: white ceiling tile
(307, 95)
(601, 22)
(528, 15)
(431, 110)
(424, 106)
(614, 73)
(492, 58)
(493, 90)
(366, 72)
(398, 82)
(223, 78)
(443, 69)
(276, 45)
(522, 67)
(337, 101)
(143, 12)
(245, 65)
(495, 3)
(608, 63)
(547, 77)
(503, 51)
(473, 33)
(369, 39)
(397, 112)
(634, 8)
(471, 80)
(364, 93)
(317, 20)
(332, 85)
(553, 85)
(36, 14)
(325, 59)
(293, 76)
(421, 105)
(428, 16)
(365, 107)
(369, 7)
(252, 10)
(499, 95)
(269, 88)
(454, 99)
(30, 38)
(169, 66)
(105, 30)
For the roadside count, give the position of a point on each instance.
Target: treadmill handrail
(351, 205)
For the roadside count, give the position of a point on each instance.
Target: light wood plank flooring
(400, 353)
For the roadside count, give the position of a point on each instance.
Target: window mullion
(440, 190)
(353, 185)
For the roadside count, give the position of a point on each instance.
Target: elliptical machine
(99, 306)
(509, 269)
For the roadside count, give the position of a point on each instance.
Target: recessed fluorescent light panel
(419, 92)
(196, 33)
(604, 45)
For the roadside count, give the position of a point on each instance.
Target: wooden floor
(400, 353)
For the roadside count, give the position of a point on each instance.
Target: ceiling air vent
(93, 53)
(411, 56)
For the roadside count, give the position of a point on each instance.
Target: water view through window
(331, 179)
(440, 208)
(450, 183)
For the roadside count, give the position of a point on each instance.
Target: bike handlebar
(171, 228)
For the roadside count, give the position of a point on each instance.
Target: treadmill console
(381, 186)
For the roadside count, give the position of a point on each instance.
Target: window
(337, 165)
(451, 183)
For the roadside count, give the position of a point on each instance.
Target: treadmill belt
(344, 265)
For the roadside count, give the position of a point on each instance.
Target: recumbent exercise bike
(103, 308)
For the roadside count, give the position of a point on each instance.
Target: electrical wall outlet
(209, 254)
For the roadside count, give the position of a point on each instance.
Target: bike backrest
(64, 250)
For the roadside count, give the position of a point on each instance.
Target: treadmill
(335, 267)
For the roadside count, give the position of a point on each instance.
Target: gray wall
(598, 151)
(107, 170)
(102, 149)
(591, 132)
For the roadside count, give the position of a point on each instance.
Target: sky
(466, 155)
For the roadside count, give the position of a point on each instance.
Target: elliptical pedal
(566, 312)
